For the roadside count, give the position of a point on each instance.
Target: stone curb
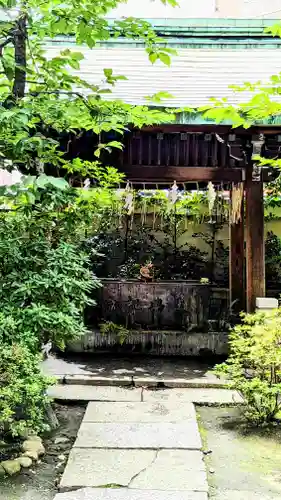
(93, 380)
(177, 383)
(134, 381)
(86, 393)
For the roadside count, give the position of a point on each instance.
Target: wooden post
(255, 253)
(236, 254)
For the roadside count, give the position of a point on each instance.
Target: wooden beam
(236, 251)
(182, 174)
(170, 173)
(255, 253)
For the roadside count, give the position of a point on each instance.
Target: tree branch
(3, 44)
(61, 92)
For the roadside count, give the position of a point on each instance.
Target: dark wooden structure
(166, 153)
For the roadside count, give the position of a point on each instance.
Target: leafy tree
(40, 97)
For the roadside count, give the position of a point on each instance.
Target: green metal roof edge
(199, 43)
(201, 33)
(210, 21)
(185, 43)
(208, 26)
(207, 22)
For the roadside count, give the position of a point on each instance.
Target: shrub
(273, 259)
(23, 400)
(45, 285)
(45, 301)
(110, 328)
(45, 278)
(254, 365)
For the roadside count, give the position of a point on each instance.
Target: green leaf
(29, 180)
(159, 97)
(115, 144)
(58, 182)
(30, 197)
(173, 3)
(108, 72)
(153, 57)
(168, 50)
(42, 181)
(74, 64)
(165, 58)
(9, 72)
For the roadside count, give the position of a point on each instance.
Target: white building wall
(249, 9)
(200, 9)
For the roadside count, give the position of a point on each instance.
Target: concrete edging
(134, 381)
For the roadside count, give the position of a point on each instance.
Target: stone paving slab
(242, 495)
(138, 469)
(139, 435)
(126, 494)
(173, 470)
(96, 468)
(92, 393)
(139, 412)
(198, 396)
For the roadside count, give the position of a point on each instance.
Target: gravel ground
(39, 482)
(242, 464)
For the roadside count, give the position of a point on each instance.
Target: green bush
(254, 365)
(45, 300)
(273, 259)
(45, 284)
(23, 400)
(45, 277)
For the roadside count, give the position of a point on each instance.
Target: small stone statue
(147, 272)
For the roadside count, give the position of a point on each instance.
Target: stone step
(94, 393)
(202, 396)
(206, 396)
(126, 494)
(135, 381)
(136, 469)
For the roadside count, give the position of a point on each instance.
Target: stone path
(136, 371)
(135, 444)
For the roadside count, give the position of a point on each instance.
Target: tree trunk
(20, 38)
